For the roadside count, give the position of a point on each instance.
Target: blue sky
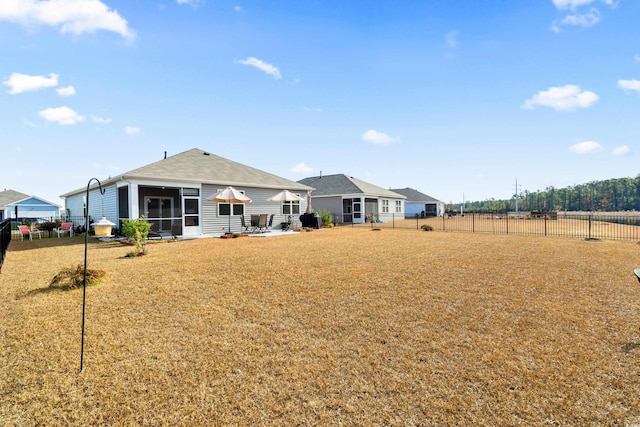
(450, 97)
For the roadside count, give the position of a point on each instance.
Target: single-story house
(351, 200)
(172, 194)
(29, 207)
(420, 204)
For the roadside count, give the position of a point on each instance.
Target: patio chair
(244, 224)
(262, 223)
(65, 227)
(254, 222)
(270, 224)
(25, 231)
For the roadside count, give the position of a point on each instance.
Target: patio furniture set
(258, 223)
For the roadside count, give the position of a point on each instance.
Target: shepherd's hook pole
(84, 278)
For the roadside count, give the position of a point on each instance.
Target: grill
(310, 220)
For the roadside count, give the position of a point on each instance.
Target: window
(291, 208)
(225, 208)
(398, 205)
(385, 206)
(190, 192)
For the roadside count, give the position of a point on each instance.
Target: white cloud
(61, 115)
(238, 9)
(629, 85)
(302, 168)
(637, 58)
(66, 91)
(562, 98)
(582, 20)
(451, 39)
(24, 83)
(578, 17)
(586, 147)
(193, 3)
(263, 66)
(622, 151)
(376, 137)
(71, 16)
(131, 130)
(100, 120)
(575, 4)
(570, 4)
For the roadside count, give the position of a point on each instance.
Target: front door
(191, 219)
(357, 211)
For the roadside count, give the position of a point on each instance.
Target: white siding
(99, 205)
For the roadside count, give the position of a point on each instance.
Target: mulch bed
(334, 327)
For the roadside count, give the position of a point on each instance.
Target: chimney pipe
(165, 154)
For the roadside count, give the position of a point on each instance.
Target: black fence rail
(5, 239)
(585, 225)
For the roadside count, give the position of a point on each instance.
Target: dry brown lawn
(333, 327)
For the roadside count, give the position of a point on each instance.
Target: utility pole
(517, 194)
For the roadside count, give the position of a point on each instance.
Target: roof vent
(205, 153)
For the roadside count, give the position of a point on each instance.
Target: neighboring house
(351, 200)
(420, 204)
(172, 194)
(29, 207)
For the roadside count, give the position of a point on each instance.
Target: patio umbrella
(229, 195)
(285, 196)
(309, 208)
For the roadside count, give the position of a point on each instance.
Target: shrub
(327, 218)
(136, 230)
(47, 226)
(427, 227)
(131, 228)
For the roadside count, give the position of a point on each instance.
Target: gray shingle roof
(200, 166)
(413, 195)
(340, 184)
(8, 197)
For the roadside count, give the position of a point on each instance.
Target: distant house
(420, 204)
(29, 207)
(172, 194)
(351, 200)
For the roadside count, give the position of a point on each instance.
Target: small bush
(327, 218)
(427, 227)
(48, 226)
(131, 228)
(71, 278)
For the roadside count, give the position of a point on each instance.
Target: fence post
(443, 219)
(545, 224)
(473, 222)
(417, 222)
(589, 226)
(507, 217)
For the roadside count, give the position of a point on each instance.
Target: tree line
(611, 195)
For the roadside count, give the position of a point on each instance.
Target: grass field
(333, 327)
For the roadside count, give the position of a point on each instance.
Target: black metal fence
(580, 225)
(5, 239)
